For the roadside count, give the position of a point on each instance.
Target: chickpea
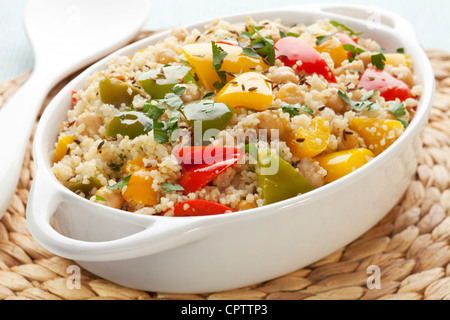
(283, 75)
(166, 56)
(335, 102)
(245, 205)
(350, 140)
(290, 93)
(366, 58)
(92, 123)
(113, 198)
(180, 34)
(192, 93)
(271, 121)
(356, 65)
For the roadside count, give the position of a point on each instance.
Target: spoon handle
(17, 119)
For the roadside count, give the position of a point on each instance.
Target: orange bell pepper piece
(378, 134)
(140, 188)
(336, 50)
(134, 165)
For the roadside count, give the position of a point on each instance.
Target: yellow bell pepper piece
(378, 134)
(342, 163)
(62, 147)
(140, 190)
(336, 50)
(251, 90)
(311, 143)
(134, 165)
(397, 59)
(200, 57)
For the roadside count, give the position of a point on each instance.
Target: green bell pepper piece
(157, 82)
(278, 179)
(211, 115)
(85, 188)
(129, 123)
(116, 92)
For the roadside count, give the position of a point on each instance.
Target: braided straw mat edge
(411, 245)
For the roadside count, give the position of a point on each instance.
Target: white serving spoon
(66, 35)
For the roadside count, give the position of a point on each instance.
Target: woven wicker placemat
(411, 245)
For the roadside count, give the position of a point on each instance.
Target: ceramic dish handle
(371, 16)
(157, 234)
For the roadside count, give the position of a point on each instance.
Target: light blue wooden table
(429, 18)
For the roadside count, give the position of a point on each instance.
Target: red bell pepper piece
(390, 87)
(201, 165)
(196, 208)
(346, 39)
(291, 49)
(74, 99)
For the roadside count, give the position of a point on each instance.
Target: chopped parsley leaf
(354, 51)
(156, 111)
(296, 109)
(340, 25)
(173, 126)
(219, 56)
(223, 80)
(248, 51)
(398, 110)
(363, 104)
(173, 100)
(178, 90)
(168, 187)
(120, 184)
(262, 46)
(191, 78)
(146, 107)
(115, 167)
(378, 60)
(98, 198)
(160, 133)
(322, 39)
(163, 132)
(251, 149)
(292, 34)
(208, 95)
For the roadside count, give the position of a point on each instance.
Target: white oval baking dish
(215, 253)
